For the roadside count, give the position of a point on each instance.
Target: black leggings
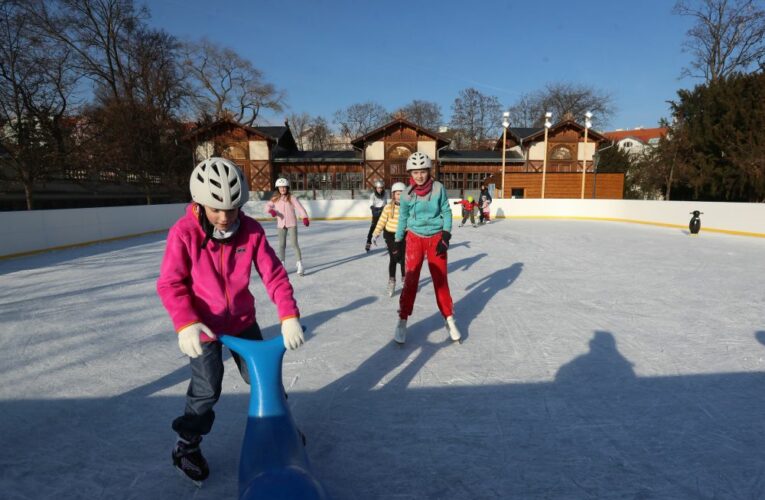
(391, 244)
(376, 213)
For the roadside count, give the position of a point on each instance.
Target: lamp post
(505, 124)
(548, 115)
(587, 125)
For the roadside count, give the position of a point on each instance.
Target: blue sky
(329, 54)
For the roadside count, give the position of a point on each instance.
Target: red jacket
(210, 284)
(468, 206)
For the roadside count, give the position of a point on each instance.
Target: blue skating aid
(273, 462)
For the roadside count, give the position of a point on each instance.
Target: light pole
(587, 125)
(505, 124)
(548, 115)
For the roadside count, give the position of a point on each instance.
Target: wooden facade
(265, 153)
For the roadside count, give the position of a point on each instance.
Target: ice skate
(188, 459)
(391, 287)
(400, 335)
(367, 247)
(454, 332)
(300, 270)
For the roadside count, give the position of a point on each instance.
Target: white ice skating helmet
(418, 161)
(218, 183)
(379, 184)
(282, 182)
(399, 186)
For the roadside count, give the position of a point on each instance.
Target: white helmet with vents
(398, 186)
(218, 183)
(379, 184)
(282, 182)
(418, 161)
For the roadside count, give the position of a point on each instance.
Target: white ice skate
(391, 287)
(400, 335)
(300, 269)
(451, 327)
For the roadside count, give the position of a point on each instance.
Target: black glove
(398, 251)
(443, 245)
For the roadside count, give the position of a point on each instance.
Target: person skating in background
(203, 283)
(287, 209)
(425, 223)
(468, 210)
(485, 201)
(377, 200)
(387, 227)
(485, 210)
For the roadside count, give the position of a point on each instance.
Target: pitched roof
(274, 132)
(228, 121)
(359, 141)
(538, 133)
(478, 156)
(319, 157)
(521, 133)
(640, 134)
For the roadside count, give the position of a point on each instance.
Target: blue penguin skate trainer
(273, 462)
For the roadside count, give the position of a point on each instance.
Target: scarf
(421, 190)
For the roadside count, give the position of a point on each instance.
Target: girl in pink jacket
(286, 209)
(203, 283)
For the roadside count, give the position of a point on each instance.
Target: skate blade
(196, 483)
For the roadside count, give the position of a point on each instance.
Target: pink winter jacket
(211, 284)
(285, 211)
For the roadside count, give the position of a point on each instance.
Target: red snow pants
(417, 249)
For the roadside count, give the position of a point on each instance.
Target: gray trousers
(205, 385)
(283, 232)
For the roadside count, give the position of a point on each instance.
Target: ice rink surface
(601, 360)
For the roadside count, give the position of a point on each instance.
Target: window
(451, 180)
(77, 174)
(321, 182)
(297, 180)
(516, 192)
(349, 180)
(234, 152)
(399, 153)
(475, 180)
(561, 153)
(627, 144)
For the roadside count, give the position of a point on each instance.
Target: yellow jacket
(388, 219)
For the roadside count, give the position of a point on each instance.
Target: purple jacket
(210, 285)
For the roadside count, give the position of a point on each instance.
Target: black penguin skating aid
(695, 225)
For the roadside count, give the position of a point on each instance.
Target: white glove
(292, 332)
(374, 240)
(188, 339)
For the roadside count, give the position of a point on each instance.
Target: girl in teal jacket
(425, 223)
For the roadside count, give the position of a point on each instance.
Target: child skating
(377, 200)
(485, 211)
(387, 227)
(203, 284)
(287, 209)
(425, 223)
(485, 200)
(468, 210)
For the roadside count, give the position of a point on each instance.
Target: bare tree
(727, 36)
(319, 135)
(99, 33)
(299, 123)
(226, 84)
(426, 114)
(476, 115)
(359, 119)
(37, 79)
(562, 99)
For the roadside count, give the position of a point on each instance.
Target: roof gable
(226, 122)
(400, 122)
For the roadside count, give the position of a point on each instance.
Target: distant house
(636, 141)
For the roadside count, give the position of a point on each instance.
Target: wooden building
(266, 153)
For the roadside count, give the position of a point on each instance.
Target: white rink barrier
(35, 231)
